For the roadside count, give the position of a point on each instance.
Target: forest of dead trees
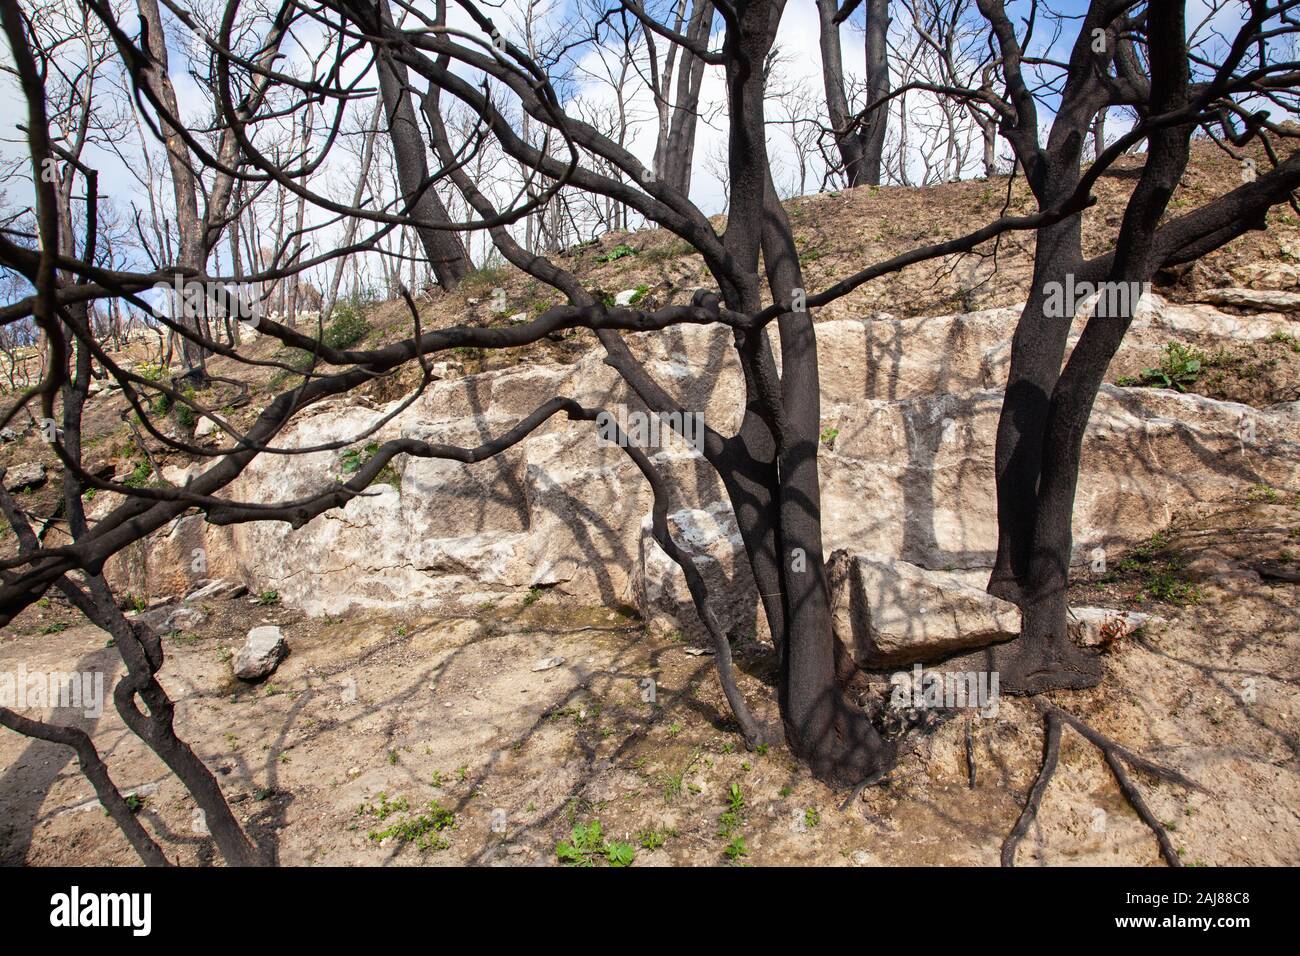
(309, 154)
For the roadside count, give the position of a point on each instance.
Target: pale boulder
(25, 477)
(1097, 626)
(889, 613)
(262, 652)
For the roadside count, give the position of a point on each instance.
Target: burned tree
(1140, 57)
(429, 67)
(859, 140)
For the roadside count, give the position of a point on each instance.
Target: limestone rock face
(913, 479)
(173, 560)
(910, 408)
(712, 539)
(1260, 300)
(889, 612)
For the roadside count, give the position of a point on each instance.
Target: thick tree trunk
(1043, 656)
(678, 150)
(1037, 348)
(1046, 409)
(878, 86)
(442, 246)
(848, 142)
(822, 726)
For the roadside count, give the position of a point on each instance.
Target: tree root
(970, 754)
(870, 781)
(1051, 753)
(1054, 719)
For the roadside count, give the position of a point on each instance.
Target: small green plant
(385, 808)
(267, 598)
(811, 817)
(533, 596)
(139, 476)
(1164, 584)
(55, 628)
(1180, 368)
(618, 252)
(1261, 492)
(736, 849)
(828, 437)
(424, 830)
(674, 784)
(731, 819)
(736, 798)
(347, 329)
(653, 838)
(350, 463)
(638, 294)
(1286, 338)
(619, 854)
(483, 279)
(587, 844)
(1152, 546)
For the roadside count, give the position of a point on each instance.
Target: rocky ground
(482, 659)
(371, 717)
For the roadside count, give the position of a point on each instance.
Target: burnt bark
(878, 85)
(675, 150)
(1046, 407)
(859, 141)
(822, 726)
(442, 246)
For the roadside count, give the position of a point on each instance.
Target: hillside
(480, 636)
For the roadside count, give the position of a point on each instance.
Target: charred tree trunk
(878, 86)
(675, 153)
(849, 140)
(782, 420)
(1046, 409)
(442, 246)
